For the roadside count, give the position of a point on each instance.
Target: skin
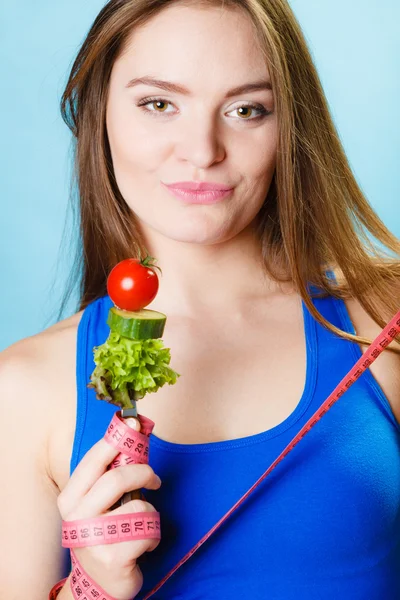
(212, 288)
(200, 137)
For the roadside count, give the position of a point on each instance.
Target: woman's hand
(90, 492)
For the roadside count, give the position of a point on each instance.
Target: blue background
(356, 48)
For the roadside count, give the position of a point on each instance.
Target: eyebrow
(177, 88)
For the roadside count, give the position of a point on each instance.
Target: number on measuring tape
(109, 529)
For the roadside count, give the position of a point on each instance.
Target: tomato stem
(149, 261)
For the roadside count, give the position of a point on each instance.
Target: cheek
(258, 168)
(255, 154)
(133, 146)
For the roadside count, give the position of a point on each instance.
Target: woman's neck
(199, 278)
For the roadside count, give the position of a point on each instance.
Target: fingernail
(159, 480)
(134, 423)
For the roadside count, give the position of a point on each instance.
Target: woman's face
(203, 134)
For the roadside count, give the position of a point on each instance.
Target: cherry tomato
(132, 284)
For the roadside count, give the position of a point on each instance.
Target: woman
(264, 291)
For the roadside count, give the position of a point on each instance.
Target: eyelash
(261, 109)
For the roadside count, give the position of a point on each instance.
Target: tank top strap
(92, 415)
(336, 356)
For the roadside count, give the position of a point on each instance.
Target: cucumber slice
(138, 325)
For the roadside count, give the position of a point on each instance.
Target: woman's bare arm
(30, 520)
(38, 412)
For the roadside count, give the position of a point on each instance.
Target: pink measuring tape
(110, 529)
(387, 335)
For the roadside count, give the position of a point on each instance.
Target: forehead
(195, 45)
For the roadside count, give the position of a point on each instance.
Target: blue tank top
(324, 524)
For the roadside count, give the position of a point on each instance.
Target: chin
(195, 233)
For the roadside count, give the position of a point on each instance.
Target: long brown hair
(315, 217)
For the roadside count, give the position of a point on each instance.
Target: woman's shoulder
(37, 379)
(386, 369)
(39, 352)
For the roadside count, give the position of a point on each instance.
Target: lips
(199, 186)
(190, 192)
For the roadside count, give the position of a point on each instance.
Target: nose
(200, 143)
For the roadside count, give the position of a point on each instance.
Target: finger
(90, 468)
(133, 423)
(133, 506)
(138, 506)
(112, 485)
(93, 464)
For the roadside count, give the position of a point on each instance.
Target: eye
(160, 105)
(155, 102)
(246, 110)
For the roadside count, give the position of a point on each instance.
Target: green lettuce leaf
(128, 369)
